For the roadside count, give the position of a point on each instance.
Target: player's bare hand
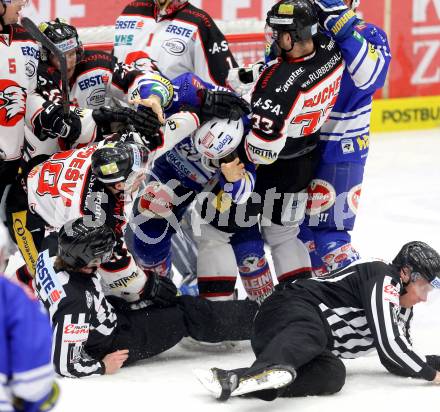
(233, 171)
(153, 102)
(437, 378)
(114, 361)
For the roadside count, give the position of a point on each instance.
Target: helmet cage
(64, 36)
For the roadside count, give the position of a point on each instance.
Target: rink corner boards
(410, 113)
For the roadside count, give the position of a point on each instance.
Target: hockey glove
(221, 104)
(145, 122)
(160, 290)
(51, 123)
(44, 405)
(336, 17)
(129, 134)
(242, 79)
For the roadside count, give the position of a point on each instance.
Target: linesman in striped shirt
(303, 329)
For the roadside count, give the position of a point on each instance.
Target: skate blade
(271, 379)
(209, 381)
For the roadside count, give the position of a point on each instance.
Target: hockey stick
(41, 38)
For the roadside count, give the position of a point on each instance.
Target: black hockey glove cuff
(160, 290)
(51, 123)
(221, 104)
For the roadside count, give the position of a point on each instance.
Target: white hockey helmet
(217, 138)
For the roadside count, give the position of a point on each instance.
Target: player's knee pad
(333, 196)
(216, 264)
(290, 256)
(248, 246)
(121, 277)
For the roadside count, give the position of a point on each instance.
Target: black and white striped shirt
(361, 306)
(83, 322)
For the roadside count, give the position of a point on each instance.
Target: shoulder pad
(139, 7)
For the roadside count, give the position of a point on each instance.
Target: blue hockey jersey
(26, 370)
(345, 135)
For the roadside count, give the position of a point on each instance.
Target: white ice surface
(400, 202)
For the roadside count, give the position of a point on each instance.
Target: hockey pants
(148, 332)
(289, 331)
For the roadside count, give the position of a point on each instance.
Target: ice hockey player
(94, 77)
(206, 157)
(92, 181)
(290, 101)
(18, 68)
(303, 328)
(177, 36)
(344, 139)
(180, 38)
(99, 338)
(97, 181)
(26, 371)
(188, 163)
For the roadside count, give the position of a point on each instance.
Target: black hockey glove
(145, 121)
(160, 290)
(221, 104)
(51, 123)
(129, 134)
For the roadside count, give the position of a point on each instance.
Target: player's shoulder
(140, 8)
(199, 17)
(281, 78)
(19, 33)
(96, 58)
(326, 47)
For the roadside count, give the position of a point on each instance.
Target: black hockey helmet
(421, 259)
(80, 243)
(114, 162)
(297, 17)
(63, 35)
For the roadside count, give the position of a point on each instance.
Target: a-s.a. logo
(12, 103)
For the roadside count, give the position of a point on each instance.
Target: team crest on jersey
(31, 68)
(176, 47)
(12, 102)
(96, 98)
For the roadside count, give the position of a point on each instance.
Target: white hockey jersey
(187, 40)
(18, 72)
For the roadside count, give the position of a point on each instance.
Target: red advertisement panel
(413, 27)
(415, 44)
